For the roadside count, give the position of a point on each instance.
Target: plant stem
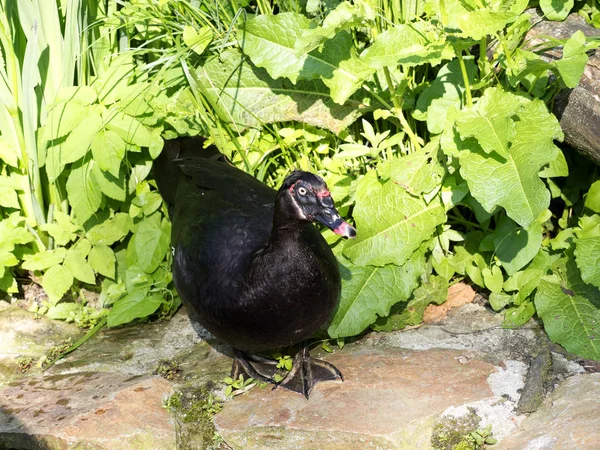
(463, 71)
(398, 107)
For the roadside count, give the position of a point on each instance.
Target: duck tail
(167, 168)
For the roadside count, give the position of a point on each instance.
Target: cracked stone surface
(397, 387)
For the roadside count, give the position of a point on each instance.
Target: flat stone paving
(397, 387)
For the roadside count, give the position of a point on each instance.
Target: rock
(390, 399)
(133, 350)
(568, 419)
(23, 334)
(102, 411)
(578, 109)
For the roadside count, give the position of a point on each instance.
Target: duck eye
(302, 191)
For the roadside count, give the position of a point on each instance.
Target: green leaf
(587, 250)
(150, 243)
(408, 44)
(62, 311)
(108, 150)
(518, 315)
(499, 300)
(391, 223)
(56, 282)
(343, 17)
(8, 153)
(446, 92)
(79, 267)
(411, 313)
(102, 259)
(556, 9)
(512, 182)
(419, 171)
(571, 65)
(493, 278)
(112, 186)
(8, 194)
(556, 168)
(62, 118)
(269, 40)
(515, 246)
(492, 131)
(128, 128)
(83, 192)
(197, 40)
(592, 199)
(133, 306)
(13, 232)
(63, 230)
(570, 310)
(474, 21)
(7, 259)
(44, 260)
(369, 292)
(79, 140)
(110, 231)
(246, 96)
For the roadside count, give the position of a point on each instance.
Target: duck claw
(253, 366)
(306, 372)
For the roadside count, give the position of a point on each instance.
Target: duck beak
(329, 217)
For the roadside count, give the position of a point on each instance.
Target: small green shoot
(238, 386)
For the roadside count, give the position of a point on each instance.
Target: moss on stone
(194, 410)
(454, 433)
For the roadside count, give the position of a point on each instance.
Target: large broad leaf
(343, 17)
(587, 249)
(369, 292)
(473, 20)
(83, 192)
(269, 40)
(420, 171)
(408, 44)
(391, 223)
(511, 182)
(570, 310)
(249, 97)
(133, 306)
(446, 91)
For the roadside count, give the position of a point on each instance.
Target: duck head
(306, 197)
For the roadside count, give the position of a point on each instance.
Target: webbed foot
(253, 366)
(307, 372)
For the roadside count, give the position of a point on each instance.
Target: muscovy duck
(248, 263)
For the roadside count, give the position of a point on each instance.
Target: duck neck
(286, 224)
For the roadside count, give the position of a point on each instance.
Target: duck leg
(252, 365)
(307, 372)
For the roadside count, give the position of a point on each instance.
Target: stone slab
(568, 419)
(390, 400)
(99, 411)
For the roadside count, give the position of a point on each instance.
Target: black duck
(248, 263)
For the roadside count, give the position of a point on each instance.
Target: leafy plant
(451, 172)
